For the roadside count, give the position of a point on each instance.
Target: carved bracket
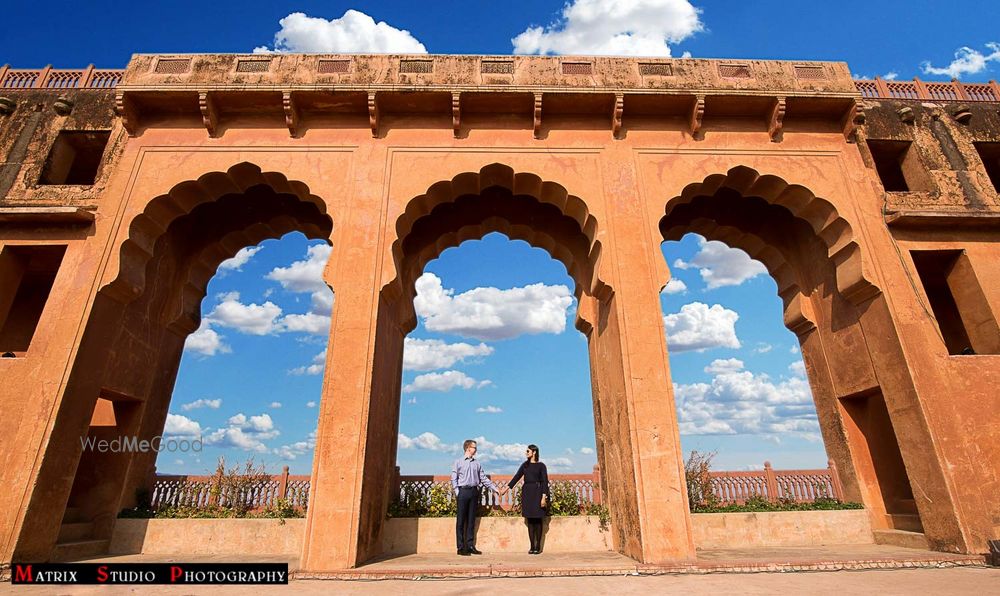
(854, 118)
(616, 115)
(209, 113)
(776, 120)
(292, 115)
(126, 112)
(538, 116)
(456, 113)
(697, 115)
(373, 114)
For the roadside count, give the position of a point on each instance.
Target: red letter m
(22, 573)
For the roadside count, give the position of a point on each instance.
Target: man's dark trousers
(465, 527)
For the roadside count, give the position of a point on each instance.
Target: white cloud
(891, 75)
(724, 366)
(319, 363)
(427, 440)
(700, 327)
(353, 33)
(967, 61)
(738, 401)
(674, 286)
(598, 27)
(306, 323)
(506, 452)
(241, 258)
(491, 313)
(794, 349)
(307, 275)
(275, 404)
(243, 432)
(586, 450)
(559, 462)
(429, 354)
(206, 340)
(445, 381)
(762, 348)
(294, 450)
(798, 368)
(183, 426)
(489, 410)
(310, 404)
(253, 319)
(202, 403)
(719, 265)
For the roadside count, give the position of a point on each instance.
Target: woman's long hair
(535, 455)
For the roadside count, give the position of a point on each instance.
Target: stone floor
(978, 581)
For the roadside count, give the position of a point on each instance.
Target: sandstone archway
(130, 351)
(871, 423)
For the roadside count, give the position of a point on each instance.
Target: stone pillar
(664, 522)
(353, 404)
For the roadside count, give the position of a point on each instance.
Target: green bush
(565, 501)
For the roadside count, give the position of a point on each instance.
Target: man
(466, 478)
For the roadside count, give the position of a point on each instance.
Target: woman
(535, 489)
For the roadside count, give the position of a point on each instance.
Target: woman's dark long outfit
(536, 484)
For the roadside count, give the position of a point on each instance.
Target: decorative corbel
(456, 112)
(373, 114)
(209, 113)
(292, 114)
(125, 110)
(697, 115)
(538, 116)
(854, 118)
(616, 115)
(776, 120)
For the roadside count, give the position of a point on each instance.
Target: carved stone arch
(149, 227)
(835, 232)
(540, 197)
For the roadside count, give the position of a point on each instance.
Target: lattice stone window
(172, 65)
(333, 66)
(735, 71)
(577, 68)
(416, 66)
(656, 69)
(497, 67)
(810, 72)
(253, 65)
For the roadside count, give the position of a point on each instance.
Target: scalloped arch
(148, 227)
(500, 176)
(835, 232)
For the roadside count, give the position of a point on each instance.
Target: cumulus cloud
(206, 341)
(252, 319)
(586, 450)
(241, 258)
(244, 432)
(719, 265)
(763, 348)
(724, 366)
(597, 27)
(737, 401)
(489, 410)
(504, 452)
(306, 323)
(798, 368)
(445, 381)
(353, 33)
(296, 449)
(430, 354)
(182, 426)
(319, 362)
(559, 462)
(310, 404)
(491, 313)
(275, 404)
(202, 403)
(674, 286)
(427, 440)
(699, 327)
(306, 275)
(967, 61)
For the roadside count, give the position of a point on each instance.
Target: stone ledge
(46, 215)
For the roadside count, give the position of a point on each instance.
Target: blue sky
(249, 380)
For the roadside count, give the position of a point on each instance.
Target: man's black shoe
(474, 551)
(464, 552)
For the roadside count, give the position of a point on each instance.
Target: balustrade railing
(916, 89)
(51, 78)
(729, 487)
